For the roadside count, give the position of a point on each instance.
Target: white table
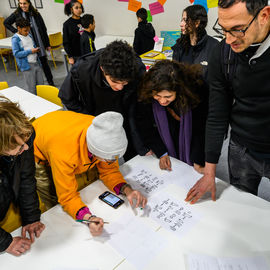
(32, 105)
(6, 43)
(102, 41)
(236, 225)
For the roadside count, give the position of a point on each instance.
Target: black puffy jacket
(18, 186)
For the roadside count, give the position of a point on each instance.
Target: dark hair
(86, 20)
(142, 13)
(22, 22)
(118, 60)
(253, 6)
(194, 13)
(173, 77)
(68, 7)
(32, 10)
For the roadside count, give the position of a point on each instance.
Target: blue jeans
(245, 170)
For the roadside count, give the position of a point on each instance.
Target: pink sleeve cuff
(117, 188)
(82, 212)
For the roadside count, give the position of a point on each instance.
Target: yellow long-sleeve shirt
(61, 140)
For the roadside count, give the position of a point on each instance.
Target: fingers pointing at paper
(135, 194)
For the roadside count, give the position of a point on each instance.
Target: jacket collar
(262, 48)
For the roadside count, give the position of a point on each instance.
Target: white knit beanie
(106, 137)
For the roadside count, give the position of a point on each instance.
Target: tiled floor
(59, 76)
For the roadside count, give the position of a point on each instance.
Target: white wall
(112, 16)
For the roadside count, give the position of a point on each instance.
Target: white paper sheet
(134, 240)
(182, 175)
(172, 214)
(202, 262)
(145, 180)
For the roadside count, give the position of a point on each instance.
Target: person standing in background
(72, 29)
(144, 33)
(38, 31)
(194, 46)
(25, 51)
(88, 36)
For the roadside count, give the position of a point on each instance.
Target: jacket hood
(147, 29)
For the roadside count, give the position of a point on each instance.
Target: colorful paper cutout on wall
(149, 16)
(59, 1)
(134, 5)
(170, 37)
(202, 3)
(162, 2)
(156, 8)
(123, 0)
(191, 1)
(212, 3)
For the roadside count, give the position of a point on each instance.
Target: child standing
(144, 34)
(88, 36)
(72, 29)
(24, 50)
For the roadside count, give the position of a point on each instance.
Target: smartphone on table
(111, 199)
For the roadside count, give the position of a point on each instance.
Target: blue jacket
(20, 53)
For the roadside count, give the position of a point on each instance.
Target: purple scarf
(185, 132)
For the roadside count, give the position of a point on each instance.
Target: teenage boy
(246, 27)
(70, 143)
(144, 34)
(107, 80)
(88, 36)
(19, 203)
(24, 50)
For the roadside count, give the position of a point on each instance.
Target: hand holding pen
(86, 221)
(95, 224)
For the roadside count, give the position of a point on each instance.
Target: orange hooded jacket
(61, 140)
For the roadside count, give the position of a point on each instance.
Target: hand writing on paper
(19, 246)
(34, 230)
(206, 183)
(95, 228)
(165, 163)
(135, 194)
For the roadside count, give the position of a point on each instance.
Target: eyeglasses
(235, 33)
